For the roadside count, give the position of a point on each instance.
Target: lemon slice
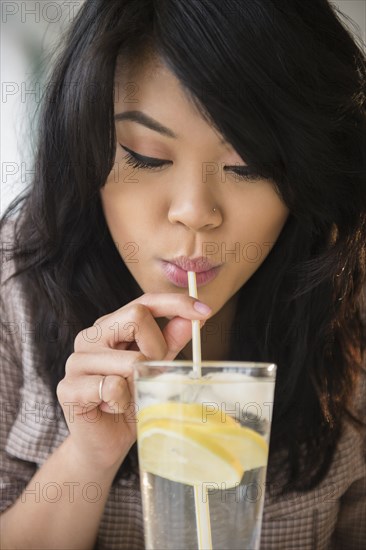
(202, 413)
(187, 443)
(186, 454)
(248, 446)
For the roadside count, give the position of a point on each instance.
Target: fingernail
(202, 308)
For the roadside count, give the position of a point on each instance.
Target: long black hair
(284, 82)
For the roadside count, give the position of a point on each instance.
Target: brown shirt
(332, 516)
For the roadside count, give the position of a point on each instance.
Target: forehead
(149, 86)
(148, 77)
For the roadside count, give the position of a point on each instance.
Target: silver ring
(101, 388)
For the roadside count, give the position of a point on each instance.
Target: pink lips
(176, 270)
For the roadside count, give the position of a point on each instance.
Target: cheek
(128, 222)
(115, 213)
(266, 217)
(274, 225)
(261, 225)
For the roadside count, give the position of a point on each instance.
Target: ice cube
(162, 387)
(254, 396)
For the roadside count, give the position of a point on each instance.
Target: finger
(164, 304)
(104, 362)
(144, 331)
(116, 395)
(122, 325)
(80, 396)
(177, 333)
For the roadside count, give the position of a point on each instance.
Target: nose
(194, 204)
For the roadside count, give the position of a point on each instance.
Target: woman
(223, 136)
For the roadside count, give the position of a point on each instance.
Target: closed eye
(148, 163)
(243, 172)
(139, 161)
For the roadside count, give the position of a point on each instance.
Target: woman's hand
(102, 432)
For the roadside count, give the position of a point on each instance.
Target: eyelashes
(243, 172)
(136, 161)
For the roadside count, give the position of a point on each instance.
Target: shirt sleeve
(14, 473)
(350, 530)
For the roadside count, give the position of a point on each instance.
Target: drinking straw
(200, 492)
(196, 334)
(203, 523)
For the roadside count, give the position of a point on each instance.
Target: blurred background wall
(30, 32)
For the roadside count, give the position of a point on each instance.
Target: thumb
(177, 333)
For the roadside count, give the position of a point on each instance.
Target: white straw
(204, 538)
(200, 493)
(196, 334)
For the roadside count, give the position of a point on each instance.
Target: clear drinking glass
(203, 449)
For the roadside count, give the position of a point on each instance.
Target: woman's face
(193, 207)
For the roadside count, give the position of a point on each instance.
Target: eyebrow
(145, 120)
(148, 122)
